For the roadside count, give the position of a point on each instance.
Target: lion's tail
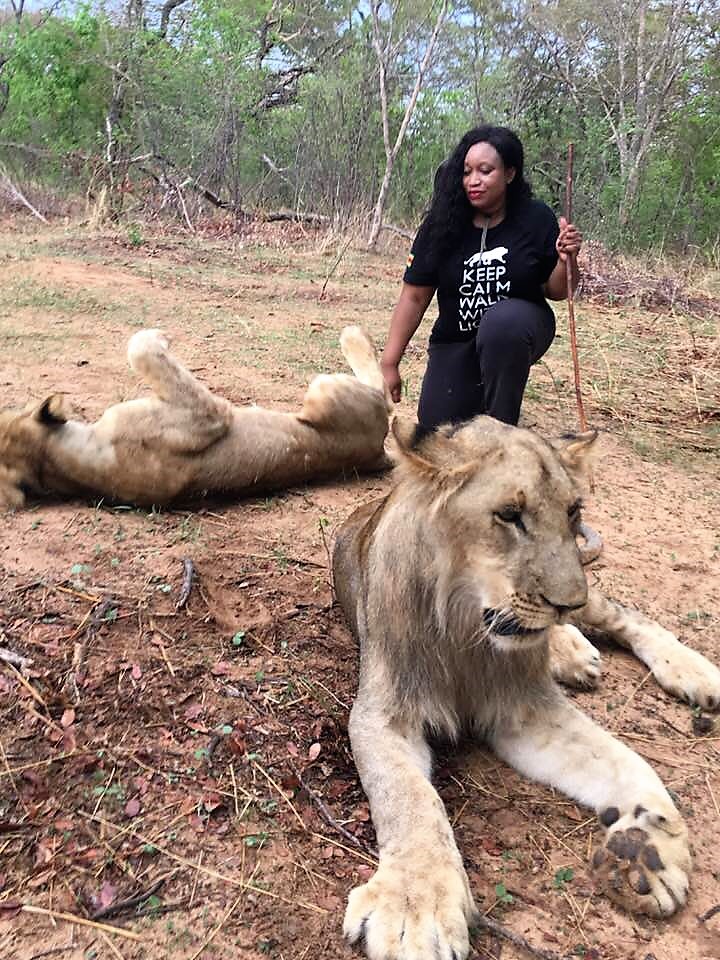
(359, 351)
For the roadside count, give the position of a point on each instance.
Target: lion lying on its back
(183, 440)
(457, 585)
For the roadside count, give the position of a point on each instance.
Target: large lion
(459, 585)
(183, 441)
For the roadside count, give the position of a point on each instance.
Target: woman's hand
(406, 319)
(391, 373)
(569, 241)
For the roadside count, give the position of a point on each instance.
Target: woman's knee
(500, 330)
(513, 327)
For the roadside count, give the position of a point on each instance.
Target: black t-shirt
(519, 257)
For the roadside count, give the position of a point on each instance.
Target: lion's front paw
(644, 863)
(689, 676)
(573, 659)
(412, 909)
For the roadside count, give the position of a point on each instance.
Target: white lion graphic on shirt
(497, 254)
(484, 281)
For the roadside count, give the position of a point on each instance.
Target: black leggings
(488, 373)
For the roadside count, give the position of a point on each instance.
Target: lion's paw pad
(402, 914)
(644, 862)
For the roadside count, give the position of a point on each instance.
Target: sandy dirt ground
(205, 771)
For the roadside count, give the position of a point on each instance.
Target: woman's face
(485, 179)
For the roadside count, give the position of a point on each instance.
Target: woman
(493, 254)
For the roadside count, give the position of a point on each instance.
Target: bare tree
(628, 56)
(385, 51)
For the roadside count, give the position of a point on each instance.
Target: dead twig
(52, 951)
(9, 656)
(12, 781)
(82, 921)
(281, 794)
(165, 908)
(187, 582)
(111, 946)
(219, 927)
(709, 914)
(332, 822)
(225, 878)
(130, 902)
(498, 930)
(16, 194)
(75, 676)
(334, 267)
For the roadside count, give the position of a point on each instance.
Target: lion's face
(504, 509)
(23, 436)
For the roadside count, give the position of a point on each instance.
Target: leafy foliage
(249, 103)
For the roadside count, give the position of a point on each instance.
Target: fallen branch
(82, 921)
(400, 231)
(709, 914)
(9, 656)
(334, 267)
(16, 194)
(294, 216)
(225, 878)
(130, 902)
(332, 822)
(208, 940)
(80, 650)
(187, 582)
(498, 930)
(53, 951)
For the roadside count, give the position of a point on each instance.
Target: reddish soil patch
(208, 749)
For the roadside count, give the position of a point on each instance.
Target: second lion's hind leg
(196, 417)
(360, 353)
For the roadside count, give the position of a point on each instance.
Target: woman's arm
(406, 318)
(568, 245)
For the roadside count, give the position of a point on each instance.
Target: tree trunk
(376, 225)
(391, 153)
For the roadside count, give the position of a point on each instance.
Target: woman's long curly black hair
(450, 212)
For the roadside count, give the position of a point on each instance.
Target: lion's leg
(644, 861)
(349, 415)
(418, 904)
(573, 659)
(359, 351)
(678, 669)
(194, 417)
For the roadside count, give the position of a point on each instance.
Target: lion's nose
(565, 608)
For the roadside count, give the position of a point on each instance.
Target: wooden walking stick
(571, 293)
(593, 542)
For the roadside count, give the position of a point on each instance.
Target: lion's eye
(511, 515)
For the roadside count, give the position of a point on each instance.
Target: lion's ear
(575, 452)
(51, 411)
(435, 462)
(403, 448)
